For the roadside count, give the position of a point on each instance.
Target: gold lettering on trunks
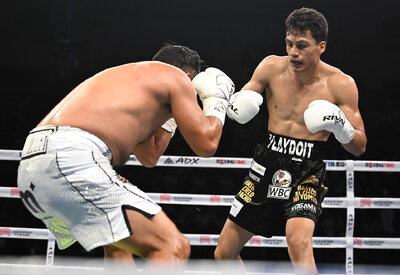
(305, 193)
(247, 191)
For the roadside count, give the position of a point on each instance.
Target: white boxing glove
(244, 105)
(214, 88)
(323, 115)
(170, 126)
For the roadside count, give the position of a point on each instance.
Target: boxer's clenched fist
(214, 88)
(323, 115)
(244, 105)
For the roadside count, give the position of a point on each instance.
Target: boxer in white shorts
(81, 196)
(66, 175)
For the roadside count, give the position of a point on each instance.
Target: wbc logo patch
(279, 189)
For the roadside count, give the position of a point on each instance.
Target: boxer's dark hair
(305, 19)
(179, 56)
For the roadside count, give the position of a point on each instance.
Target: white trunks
(65, 179)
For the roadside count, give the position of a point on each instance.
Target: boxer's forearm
(148, 152)
(358, 144)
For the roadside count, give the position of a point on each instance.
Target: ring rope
(212, 239)
(226, 200)
(239, 162)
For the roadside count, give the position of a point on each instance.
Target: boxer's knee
(299, 246)
(299, 232)
(223, 253)
(180, 247)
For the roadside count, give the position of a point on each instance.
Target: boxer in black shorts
(287, 179)
(307, 100)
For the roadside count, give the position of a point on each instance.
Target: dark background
(48, 47)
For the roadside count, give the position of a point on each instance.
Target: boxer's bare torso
(125, 105)
(288, 94)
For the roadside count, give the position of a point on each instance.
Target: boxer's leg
(231, 241)
(113, 254)
(299, 232)
(156, 238)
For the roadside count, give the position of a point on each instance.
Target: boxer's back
(122, 105)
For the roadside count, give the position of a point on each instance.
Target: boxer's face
(303, 51)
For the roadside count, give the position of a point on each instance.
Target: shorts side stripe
(89, 201)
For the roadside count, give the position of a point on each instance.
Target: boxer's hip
(46, 139)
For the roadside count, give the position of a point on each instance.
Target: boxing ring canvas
(350, 202)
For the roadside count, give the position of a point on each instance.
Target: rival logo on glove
(339, 118)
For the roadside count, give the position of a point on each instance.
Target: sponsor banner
(350, 222)
(334, 202)
(361, 165)
(335, 165)
(10, 154)
(9, 192)
(227, 200)
(5, 231)
(51, 245)
(274, 242)
(388, 203)
(202, 239)
(378, 166)
(327, 242)
(280, 241)
(192, 199)
(349, 261)
(24, 233)
(392, 203)
(14, 192)
(215, 199)
(339, 165)
(205, 239)
(255, 241)
(259, 241)
(376, 243)
(331, 165)
(212, 240)
(166, 198)
(195, 161)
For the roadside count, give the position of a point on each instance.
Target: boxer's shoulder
(274, 63)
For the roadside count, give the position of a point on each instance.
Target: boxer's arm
(201, 132)
(346, 95)
(149, 151)
(262, 74)
(244, 105)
